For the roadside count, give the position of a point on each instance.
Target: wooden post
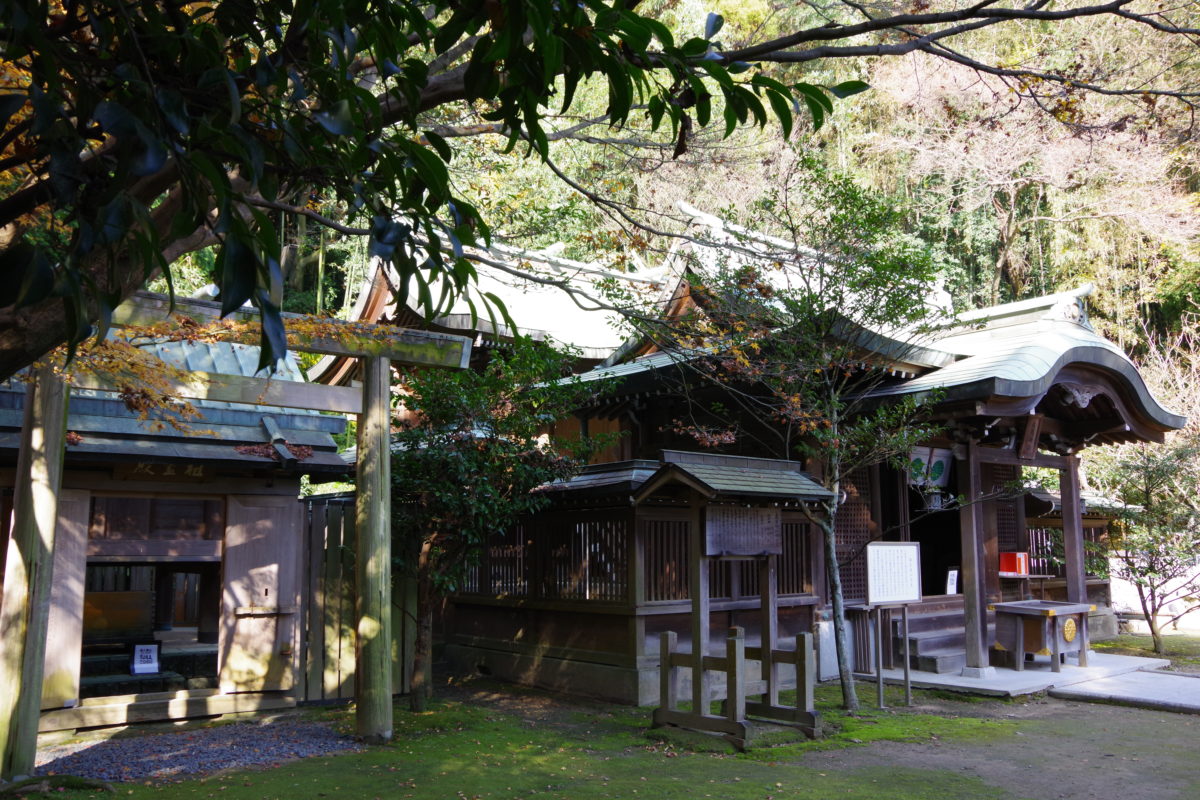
(29, 572)
(735, 675)
(806, 673)
(668, 688)
(373, 716)
(971, 531)
(768, 587)
(1072, 518)
(700, 604)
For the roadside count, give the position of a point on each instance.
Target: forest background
(1017, 196)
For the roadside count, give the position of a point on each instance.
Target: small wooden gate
(327, 609)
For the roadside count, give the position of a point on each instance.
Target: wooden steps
(159, 706)
(936, 636)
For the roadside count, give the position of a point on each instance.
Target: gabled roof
(1018, 350)
(725, 482)
(715, 477)
(108, 431)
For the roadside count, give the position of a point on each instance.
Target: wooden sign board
(737, 531)
(893, 572)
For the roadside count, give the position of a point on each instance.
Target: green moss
(1182, 649)
(528, 744)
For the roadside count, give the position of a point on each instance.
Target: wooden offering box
(1041, 627)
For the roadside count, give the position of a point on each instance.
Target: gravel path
(178, 754)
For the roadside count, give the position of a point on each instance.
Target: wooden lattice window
(583, 559)
(1007, 536)
(666, 558)
(854, 529)
(795, 565)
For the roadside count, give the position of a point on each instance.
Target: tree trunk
(834, 573)
(419, 689)
(1150, 610)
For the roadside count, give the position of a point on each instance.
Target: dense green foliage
(132, 134)
(466, 461)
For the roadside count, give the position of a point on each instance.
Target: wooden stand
(733, 722)
(1041, 627)
(877, 616)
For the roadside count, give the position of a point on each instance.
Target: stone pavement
(1126, 680)
(1165, 691)
(1036, 677)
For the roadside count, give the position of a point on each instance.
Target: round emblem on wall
(1069, 630)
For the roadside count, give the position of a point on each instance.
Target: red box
(1017, 563)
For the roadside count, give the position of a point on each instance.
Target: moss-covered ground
(487, 740)
(1183, 649)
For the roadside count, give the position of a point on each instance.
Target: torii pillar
(28, 571)
(373, 557)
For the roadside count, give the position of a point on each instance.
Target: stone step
(928, 641)
(160, 706)
(187, 662)
(919, 623)
(940, 661)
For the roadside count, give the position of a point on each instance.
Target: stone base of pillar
(978, 672)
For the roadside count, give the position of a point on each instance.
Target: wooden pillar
(971, 533)
(373, 717)
(29, 571)
(64, 629)
(990, 539)
(768, 587)
(1072, 517)
(698, 584)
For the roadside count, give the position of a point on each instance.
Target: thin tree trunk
(834, 573)
(418, 687)
(1150, 610)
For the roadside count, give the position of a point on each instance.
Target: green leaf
(816, 94)
(781, 104)
(338, 121)
(713, 25)
(440, 145)
(848, 88)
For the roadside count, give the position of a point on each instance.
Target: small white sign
(893, 572)
(145, 659)
(952, 581)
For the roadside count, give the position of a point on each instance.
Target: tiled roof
(730, 481)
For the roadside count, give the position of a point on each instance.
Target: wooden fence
(327, 646)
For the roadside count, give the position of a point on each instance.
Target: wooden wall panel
(259, 641)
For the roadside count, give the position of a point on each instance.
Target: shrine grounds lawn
(487, 740)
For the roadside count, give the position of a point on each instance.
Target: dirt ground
(1060, 749)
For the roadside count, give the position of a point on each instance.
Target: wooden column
(698, 587)
(29, 571)
(989, 552)
(1072, 517)
(971, 533)
(64, 629)
(373, 563)
(768, 587)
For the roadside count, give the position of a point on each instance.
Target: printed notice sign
(144, 660)
(893, 572)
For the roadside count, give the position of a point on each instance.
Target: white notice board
(893, 572)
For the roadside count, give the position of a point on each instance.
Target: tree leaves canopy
(133, 132)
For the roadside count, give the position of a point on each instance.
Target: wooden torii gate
(24, 613)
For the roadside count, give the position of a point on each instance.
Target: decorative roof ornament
(1070, 308)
